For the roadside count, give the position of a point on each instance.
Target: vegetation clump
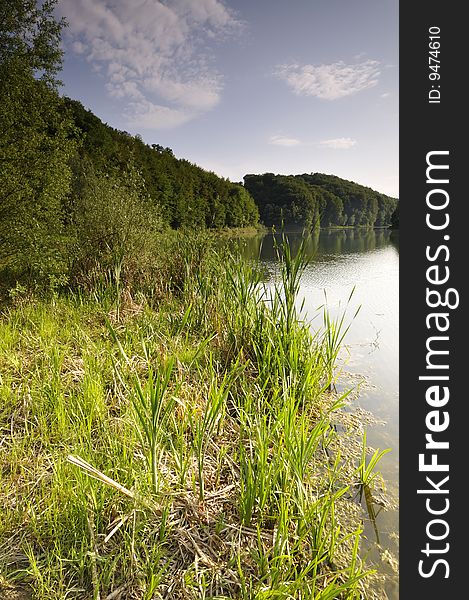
(180, 446)
(317, 200)
(73, 190)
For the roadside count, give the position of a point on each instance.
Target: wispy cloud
(343, 143)
(153, 54)
(148, 115)
(329, 81)
(278, 140)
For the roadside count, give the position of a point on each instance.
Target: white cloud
(125, 89)
(213, 12)
(329, 82)
(343, 143)
(78, 47)
(278, 140)
(153, 54)
(145, 114)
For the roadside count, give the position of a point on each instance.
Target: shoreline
(237, 443)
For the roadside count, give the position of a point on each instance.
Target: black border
(425, 127)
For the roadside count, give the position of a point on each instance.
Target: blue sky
(245, 86)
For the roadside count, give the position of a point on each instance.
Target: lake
(367, 262)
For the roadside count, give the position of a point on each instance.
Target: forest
(187, 195)
(76, 192)
(318, 200)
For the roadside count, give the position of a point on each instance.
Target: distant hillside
(188, 195)
(316, 199)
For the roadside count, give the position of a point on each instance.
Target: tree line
(187, 195)
(318, 200)
(79, 196)
(74, 191)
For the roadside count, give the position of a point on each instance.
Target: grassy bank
(174, 440)
(240, 232)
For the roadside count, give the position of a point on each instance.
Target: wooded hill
(78, 196)
(318, 200)
(188, 195)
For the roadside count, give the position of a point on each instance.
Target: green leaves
(36, 142)
(367, 470)
(30, 38)
(310, 200)
(335, 330)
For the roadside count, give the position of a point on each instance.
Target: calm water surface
(367, 260)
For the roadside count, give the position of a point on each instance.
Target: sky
(245, 86)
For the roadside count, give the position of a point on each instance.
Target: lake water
(367, 261)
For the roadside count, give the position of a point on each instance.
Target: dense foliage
(198, 394)
(203, 421)
(188, 195)
(79, 198)
(76, 195)
(35, 140)
(318, 200)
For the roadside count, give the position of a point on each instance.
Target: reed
(176, 449)
(366, 470)
(151, 403)
(335, 330)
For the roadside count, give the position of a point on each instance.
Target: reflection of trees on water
(325, 244)
(394, 238)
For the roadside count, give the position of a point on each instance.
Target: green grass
(175, 443)
(334, 331)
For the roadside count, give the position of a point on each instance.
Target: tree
(36, 140)
(317, 199)
(112, 220)
(395, 218)
(283, 200)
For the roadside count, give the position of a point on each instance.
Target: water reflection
(394, 239)
(326, 243)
